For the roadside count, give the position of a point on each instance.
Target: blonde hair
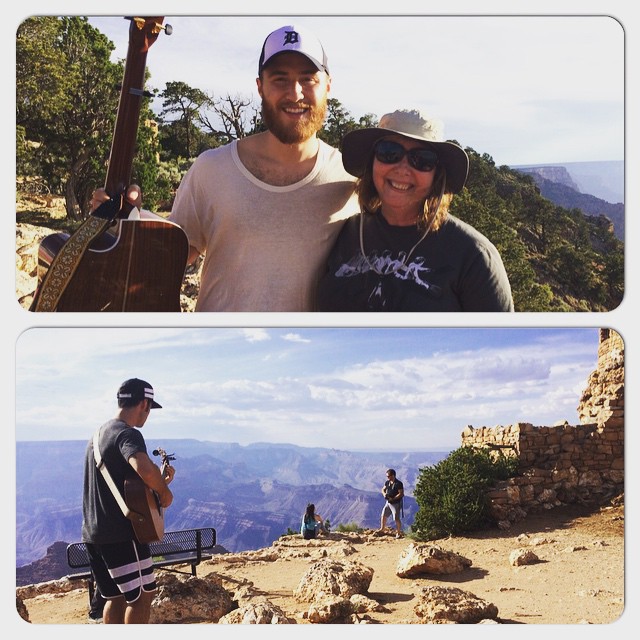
(436, 205)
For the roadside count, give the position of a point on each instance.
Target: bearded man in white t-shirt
(265, 210)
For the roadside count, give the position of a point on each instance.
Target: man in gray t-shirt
(121, 565)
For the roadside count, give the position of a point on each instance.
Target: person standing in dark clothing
(121, 565)
(393, 492)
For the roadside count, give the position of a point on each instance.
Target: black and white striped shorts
(123, 568)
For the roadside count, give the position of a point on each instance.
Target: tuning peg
(157, 27)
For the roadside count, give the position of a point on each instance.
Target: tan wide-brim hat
(357, 145)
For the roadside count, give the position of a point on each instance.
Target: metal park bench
(185, 547)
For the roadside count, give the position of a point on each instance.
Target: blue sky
(344, 388)
(524, 89)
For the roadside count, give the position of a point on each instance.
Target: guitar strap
(107, 476)
(66, 261)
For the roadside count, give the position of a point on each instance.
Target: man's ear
(259, 85)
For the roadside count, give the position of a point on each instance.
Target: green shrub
(347, 528)
(451, 495)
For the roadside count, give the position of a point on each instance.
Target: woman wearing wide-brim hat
(404, 251)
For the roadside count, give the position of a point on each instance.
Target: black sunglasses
(390, 152)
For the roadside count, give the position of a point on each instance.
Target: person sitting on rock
(311, 524)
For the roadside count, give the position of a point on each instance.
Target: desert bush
(452, 494)
(351, 527)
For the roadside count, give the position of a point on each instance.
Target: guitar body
(148, 515)
(139, 267)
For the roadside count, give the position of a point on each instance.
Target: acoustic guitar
(147, 516)
(117, 262)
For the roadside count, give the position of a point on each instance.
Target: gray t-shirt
(265, 246)
(102, 519)
(453, 269)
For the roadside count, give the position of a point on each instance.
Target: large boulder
(186, 598)
(259, 612)
(447, 605)
(420, 559)
(333, 577)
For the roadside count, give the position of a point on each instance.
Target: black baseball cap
(137, 390)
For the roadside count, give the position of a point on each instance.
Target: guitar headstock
(144, 31)
(165, 457)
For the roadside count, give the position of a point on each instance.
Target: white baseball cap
(291, 38)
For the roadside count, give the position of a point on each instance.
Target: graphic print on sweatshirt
(395, 274)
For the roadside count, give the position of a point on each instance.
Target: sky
(345, 388)
(524, 89)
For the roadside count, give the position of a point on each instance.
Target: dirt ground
(579, 578)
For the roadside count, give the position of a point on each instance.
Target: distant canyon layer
(604, 180)
(596, 188)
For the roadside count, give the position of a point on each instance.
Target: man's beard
(294, 133)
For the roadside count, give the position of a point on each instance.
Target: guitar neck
(165, 459)
(142, 33)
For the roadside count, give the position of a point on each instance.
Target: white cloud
(242, 384)
(256, 335)
(295, 337)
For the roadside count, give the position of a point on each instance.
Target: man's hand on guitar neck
(168, 472)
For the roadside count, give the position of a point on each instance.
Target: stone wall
(603, 399)
(564, 463)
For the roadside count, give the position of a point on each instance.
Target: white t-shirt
(265, 246)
